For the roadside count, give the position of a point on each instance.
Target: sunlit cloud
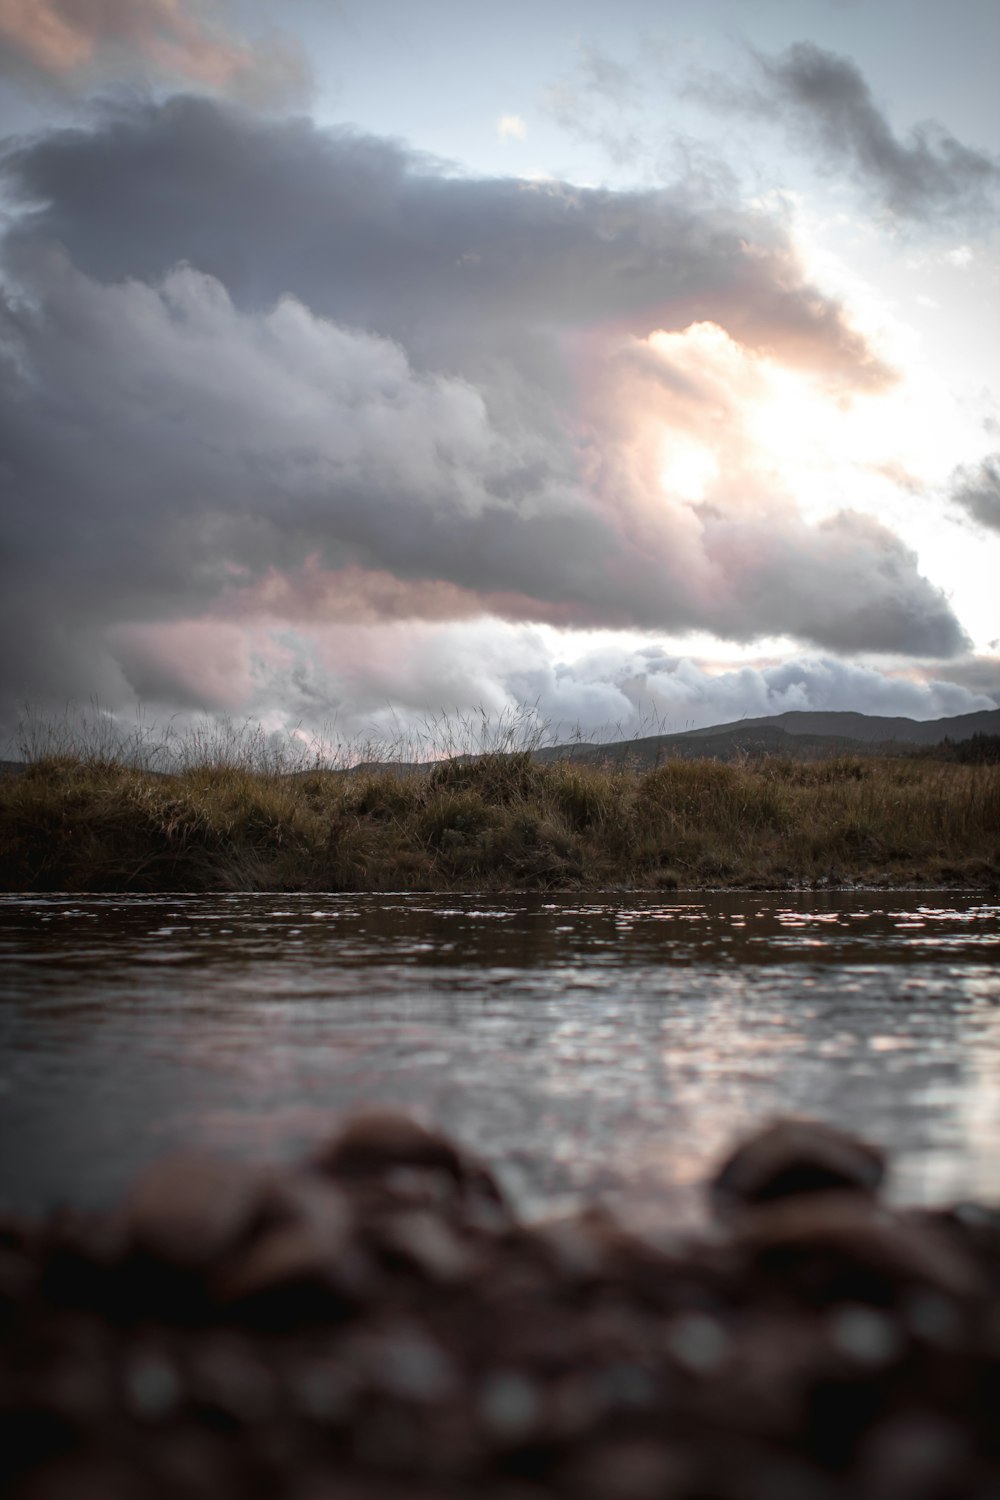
(383, 677)
(511, 128)
(173, 40)
(420, 463)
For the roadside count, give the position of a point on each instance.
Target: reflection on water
(609, 1045)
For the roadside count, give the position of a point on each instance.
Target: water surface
(606, 1045)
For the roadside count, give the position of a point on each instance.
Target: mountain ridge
(801, 733)
(877, 728)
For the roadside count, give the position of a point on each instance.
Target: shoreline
(987, 888)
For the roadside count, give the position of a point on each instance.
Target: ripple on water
(607, 1044)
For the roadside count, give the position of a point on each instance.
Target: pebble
(793, 1156)
(188, 1208)
(375, 1324)
(698, 1342)
(865, 1336)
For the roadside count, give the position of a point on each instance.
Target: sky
(630, 366)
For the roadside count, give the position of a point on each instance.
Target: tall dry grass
(236, 814)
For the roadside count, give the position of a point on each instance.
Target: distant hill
(803, 735)
(871, 727)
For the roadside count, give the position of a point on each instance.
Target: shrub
(453, 817)
(499, 780)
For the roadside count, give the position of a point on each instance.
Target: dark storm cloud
(916, 176)
(232, 348)
(977, 489)
(979, 675)
(371, 235)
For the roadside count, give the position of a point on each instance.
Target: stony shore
(377, 1324)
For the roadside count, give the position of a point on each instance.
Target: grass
(236, 812)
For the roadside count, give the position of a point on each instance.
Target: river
(590, 1046)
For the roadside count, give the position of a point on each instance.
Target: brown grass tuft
(499, 821)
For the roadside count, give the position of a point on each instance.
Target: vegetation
(979, 749)
(233, 816)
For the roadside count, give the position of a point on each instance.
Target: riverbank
(376, 1322)
(501, 822)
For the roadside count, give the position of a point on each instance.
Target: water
(604, 1046)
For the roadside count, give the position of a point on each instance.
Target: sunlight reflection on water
(601, 1044)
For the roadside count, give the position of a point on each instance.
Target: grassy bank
(502, 821)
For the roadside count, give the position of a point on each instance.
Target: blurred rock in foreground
(376, 1324)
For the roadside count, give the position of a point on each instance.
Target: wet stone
(324, 1391)
(428, 1244)
(838, 1247)
(916, 1455)
(509, 1405)
(366, 1331)
(865, 1336)
(796, 1156)
(152, 1387)
(290, 1275)
(408, 1365)
(637, 1469)
(231, 1381)
(699, 1343)
(187, 1209)
(379, 1143)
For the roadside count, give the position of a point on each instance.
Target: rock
(402, 1362)
(286, 1277)
(510, 1406)
(150, 1385)
(80, 1260)
(86, 1477)
(187, 1209)
(301, 1264)
(17, 1277)
(376, 1325)
(628, 1469)
(975, 1227)
(427, 1244)
(302, 1199)
(698, 1342)
(916, 1455)
(839, 1247)
(230, 1382)
(865, 1337)
(374, 1144)
(792, 1156)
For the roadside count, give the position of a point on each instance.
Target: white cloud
(391, 677)
(511, 128)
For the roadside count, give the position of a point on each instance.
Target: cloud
(977, 489)
(925, 173)
(511, 128)
(974, 674)
(193, 664)
(600, 101)
(681, 692)
(439, 398)
(382, 680)
(462, 270)
(83, 41)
